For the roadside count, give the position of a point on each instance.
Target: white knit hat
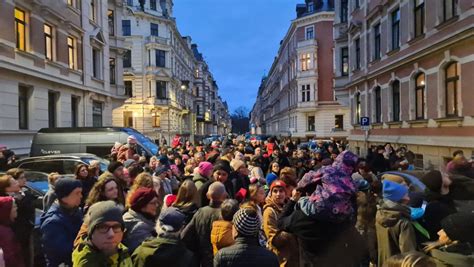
(247, 222)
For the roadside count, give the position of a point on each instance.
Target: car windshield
(103, 163)
(144, 141)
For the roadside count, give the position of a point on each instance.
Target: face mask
(416, 213)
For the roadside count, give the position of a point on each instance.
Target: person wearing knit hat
(246, 251)
(394, 178)
(131, 140)
(140, 218)
(393, 222)
(166, 249)
(454, 246)
(64, 214)
(103, 243)
(236, 164)
(129, 162)
(12, 252)
(116, 169)
(204, 172)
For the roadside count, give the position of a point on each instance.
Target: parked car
(62, 163)
(95, 140)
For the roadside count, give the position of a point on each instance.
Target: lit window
(48, 42)
(305, 61)
(20, 29)
(344, 61)
(357, 108)
(339, 122)
(111, 19)
(71, 52)
(420, 96)
(72, 3)
(452, 79)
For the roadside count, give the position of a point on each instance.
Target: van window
(70, 166)
(44, 166)
(144, 141)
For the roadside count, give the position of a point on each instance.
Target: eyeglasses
(104, 228)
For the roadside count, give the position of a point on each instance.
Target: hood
(269, 203)
(391, 212)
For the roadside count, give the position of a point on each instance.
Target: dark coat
(197, 234)
(245, 252)
(164, 252)
(59, 228)
(435, 211)
(456, 255)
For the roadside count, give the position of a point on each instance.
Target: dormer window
(310, 7)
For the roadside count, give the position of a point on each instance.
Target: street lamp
(184, 85)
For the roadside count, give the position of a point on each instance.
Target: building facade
(166, 79)
(408, 65)
(60, 66)
(296, 97)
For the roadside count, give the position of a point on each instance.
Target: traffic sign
(364, 121)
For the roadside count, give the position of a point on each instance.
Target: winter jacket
(197, 234)
(163, 252)
(282, 243)
(87, 185)
(86, 255)
(59, 228)
(395, 233)
(245, 252)
(49, 199)
(457, 255)
(137, 229)
(188, 210)
(221, 235)
(12, 253)
(435, 211)
(199, 180)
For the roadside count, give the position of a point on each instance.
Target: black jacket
(245, 252)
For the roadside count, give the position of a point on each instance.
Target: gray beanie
(104, 211)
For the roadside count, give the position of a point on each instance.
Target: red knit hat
(277, 183)
(141, 198)
(169, 200)
(6, 204)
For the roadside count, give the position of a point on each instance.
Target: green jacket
(395, 233)
(164, 252)
(85, 255)
(451, 258)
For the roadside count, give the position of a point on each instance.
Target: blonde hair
(187, 194)
(53, 177)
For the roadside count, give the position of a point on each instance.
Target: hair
(142, 180)
(189, 169)
(15, 173)
(187, 194)
(53, 177)
(78, 168)
(409, 259)
(228, 208)
(97, 192)
(92, 170)
(134, 171)
(4, 183)
(458, 152)
(270, 167)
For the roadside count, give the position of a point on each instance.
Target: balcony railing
(306, 43)
(156, 40)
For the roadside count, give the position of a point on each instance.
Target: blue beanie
(270, 178)
(393, 191)
(65, 186)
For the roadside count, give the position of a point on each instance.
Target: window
(419, 17)
(23, 107)
(93, 12)
(112, 70)
(396, 100)
(111, 18)
(154, 29)
(310, 7)
(311, 124)
(420, 96)
(378, 105)
(126, 28)
(71, 48)
(396, 29)
(305, 61)
(449, 9)
(357, 54)
(305, 93)
(344, 7)
(377, 42)
(357, 3)
(128, 119)
(153, 5)
(74, 111)
(160, 58)
(344, 61)
(160, 89)
(357, 108)
(96, 63)
(310, 33)
(452, 78)
(418, 161)
(20, 29)
(48, 42)
(72, 3)
(96, 114)
(339, 122)
(129, 2)
(127, 59)
(52, 116)
(128, 88)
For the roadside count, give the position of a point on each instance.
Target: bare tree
(240, 120)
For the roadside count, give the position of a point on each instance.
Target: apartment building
(408, 65)
(297, 96)
(60, 66)
(169, 87)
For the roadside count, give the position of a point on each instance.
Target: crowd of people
(244, 203)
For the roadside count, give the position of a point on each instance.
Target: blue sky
(238, 38)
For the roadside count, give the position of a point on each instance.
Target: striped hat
(247, 222)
